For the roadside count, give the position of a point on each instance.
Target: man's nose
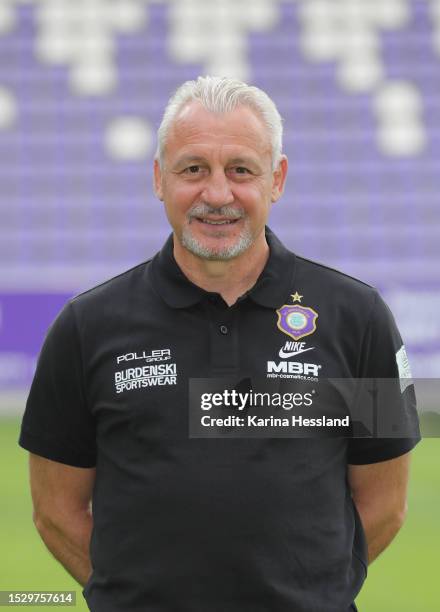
(217, 189)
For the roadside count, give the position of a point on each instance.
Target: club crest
(296, 321)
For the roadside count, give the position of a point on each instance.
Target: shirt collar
(271, 290)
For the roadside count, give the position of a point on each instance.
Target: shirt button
(223, 329)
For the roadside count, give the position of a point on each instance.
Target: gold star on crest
(296, 297)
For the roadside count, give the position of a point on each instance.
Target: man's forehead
(199, 154)
(197, 125)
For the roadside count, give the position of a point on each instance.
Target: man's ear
(279, 178)
(158, 180)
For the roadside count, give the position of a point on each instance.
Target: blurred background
(83, 85)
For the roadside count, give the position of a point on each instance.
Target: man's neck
(230, 279)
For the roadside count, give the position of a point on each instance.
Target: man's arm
(61, 496)
(379, 491)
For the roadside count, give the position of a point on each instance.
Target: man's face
(217, 182)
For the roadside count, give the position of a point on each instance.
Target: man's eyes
(195, 170)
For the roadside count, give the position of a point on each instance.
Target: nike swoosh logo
(284, 355)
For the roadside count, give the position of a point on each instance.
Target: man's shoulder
(115, 289)
(328, 277)
(332, 288)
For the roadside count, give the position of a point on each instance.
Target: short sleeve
(383, 356)
(57, 423)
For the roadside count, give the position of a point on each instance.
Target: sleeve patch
(404, 368)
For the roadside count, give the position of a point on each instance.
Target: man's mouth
(217, 221)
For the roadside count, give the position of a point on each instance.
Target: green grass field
(404, 579)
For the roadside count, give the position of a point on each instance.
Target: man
(212, 525)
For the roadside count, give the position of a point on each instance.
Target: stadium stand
(82, 88)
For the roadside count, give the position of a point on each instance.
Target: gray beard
(216, 254)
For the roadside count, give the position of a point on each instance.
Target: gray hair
(223, 95)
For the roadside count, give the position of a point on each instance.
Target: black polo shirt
(211, 525)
